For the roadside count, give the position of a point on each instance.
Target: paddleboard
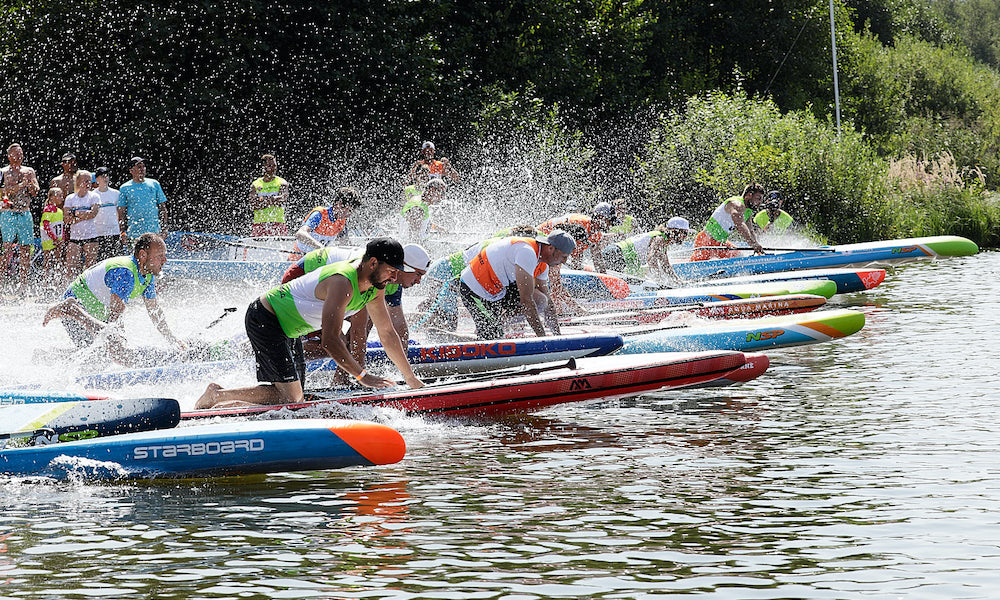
(726, 309)
(579, 379)
(847, 280)
(755, 366)
(749, 334)
(690, 295)
(830, 256)
(221, 449)
(85, 419)
(427, 360)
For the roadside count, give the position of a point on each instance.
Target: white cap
(560, 240)
(428, 145)
(678, 223)
(415, 257)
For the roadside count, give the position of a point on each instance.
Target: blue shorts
(15, 227)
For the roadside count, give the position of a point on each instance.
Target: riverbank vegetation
(549, 103)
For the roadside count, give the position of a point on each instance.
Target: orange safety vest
(326, 230)
(487, 277)
(593, 237)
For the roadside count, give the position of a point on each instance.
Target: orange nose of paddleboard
(380, 444)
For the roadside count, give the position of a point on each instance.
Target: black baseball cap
(69, 156)
(387, 250)
(101, 171)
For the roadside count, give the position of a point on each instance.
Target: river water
(862, 468)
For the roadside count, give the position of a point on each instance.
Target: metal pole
(836, 85)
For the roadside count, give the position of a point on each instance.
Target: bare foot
(207, 400)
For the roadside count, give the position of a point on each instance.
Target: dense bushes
(343, 93)
(719, 143)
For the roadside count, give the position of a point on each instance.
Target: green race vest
(291, 320)
(89, 284)
(269, 214)
(783, 222)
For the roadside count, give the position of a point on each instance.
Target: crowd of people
(87, 225)
(84, 220)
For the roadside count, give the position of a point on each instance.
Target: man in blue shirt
(141, 203)
(96, 299)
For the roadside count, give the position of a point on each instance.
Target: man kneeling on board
(96, 299)
(509, 277)
(319, 300)
(415, 259)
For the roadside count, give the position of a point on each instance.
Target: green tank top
(720, 225)
(90, 289)
(762, 220)
(299, 311)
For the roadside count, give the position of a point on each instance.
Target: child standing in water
(50, 231)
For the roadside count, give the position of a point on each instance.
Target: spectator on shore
(64, 180)
(268, 196)
(427, 167)
(50, 232)
(141, 203)
(79, 211)
(109, 230)
(20, 185)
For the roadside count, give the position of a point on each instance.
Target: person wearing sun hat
(648, 250)
(319, 300)
(510, 277)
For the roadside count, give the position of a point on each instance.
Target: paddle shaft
(208, 241)
(771, 249)
(27, 434)
(310, 395)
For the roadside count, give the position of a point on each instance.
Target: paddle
(768, 249)
(205, 242)
(225, 313)
(312, 395)
(47, 435)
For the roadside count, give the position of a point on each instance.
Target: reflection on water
(860, 468)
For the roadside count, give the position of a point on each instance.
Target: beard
(372, 279)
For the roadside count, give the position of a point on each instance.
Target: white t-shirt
(106, 221)
(504, 258)
(82, 230)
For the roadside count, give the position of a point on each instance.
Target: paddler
(97, 297)
(415, 218)
(600, 220)
(427, 167)
(735, 214)
(771, 219)
(510, 277)
(326, 225)
(415, 257)
(319, 300)
(441, 304)
(268, 197)
(648, 250)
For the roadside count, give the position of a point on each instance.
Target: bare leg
(72, 261)
(70, 308)
(8, 251)
(89, 254)
(24, 255)
(276, 393)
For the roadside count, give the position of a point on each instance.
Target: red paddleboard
(579, 379)
(742, 308)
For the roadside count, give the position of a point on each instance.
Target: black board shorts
(279, 359)
(489, 316)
